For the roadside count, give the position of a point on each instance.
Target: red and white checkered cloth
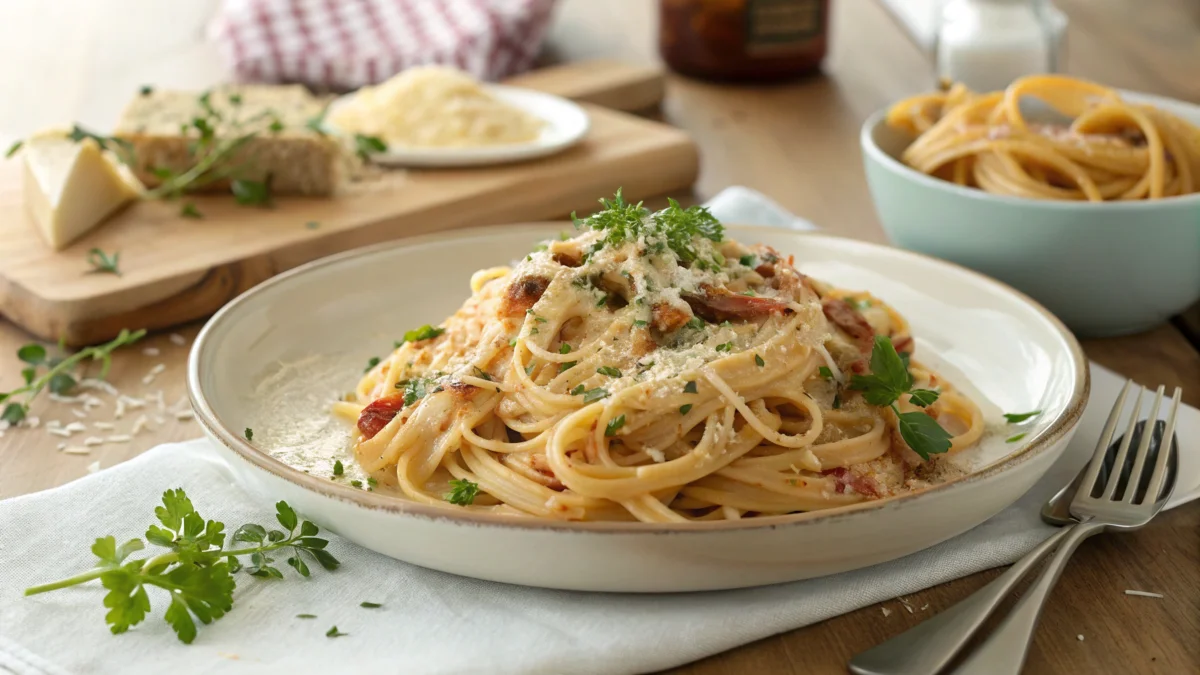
(345, 44)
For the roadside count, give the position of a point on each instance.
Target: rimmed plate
(275, 358)
(566, 124)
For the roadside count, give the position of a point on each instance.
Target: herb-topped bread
(259, 140)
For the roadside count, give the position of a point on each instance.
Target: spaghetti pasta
(650, 369)
(1109, 150)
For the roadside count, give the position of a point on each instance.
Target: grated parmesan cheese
(151, 351)
(1144, 594)
(119, 438)
(93, 467)
(77, 450)
(177, 339)
(104, 426)
(76, 426)
(93, 441)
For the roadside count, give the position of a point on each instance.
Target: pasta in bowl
(651, 369)
(272, 363)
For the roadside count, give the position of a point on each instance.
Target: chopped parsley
(695, 322)
(1014, 439)
(482, 374)
(725, 347)
(685, 408)
(726, 324)
(338, 469)
(512, 342)
(673, 228)
(690, 387)
(371, 482)
(306, 616)
(609, 371)
(562, 368)
(462, 492)
(577, 390)
(825, 372)
(371, 363)
(639, 323)
(758, 360)
(747, 260)
(370, 605)
(614, 424)
(539, 319)
(334, 633)
(596, 394)
(425, 332)
(889, 379)
(356, 483)
(189, 210)
(414, 389)
(837, 401)
(1017, 418)
(603, 299)
(564, 348)
(249, 434)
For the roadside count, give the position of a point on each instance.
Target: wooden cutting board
(176, 270)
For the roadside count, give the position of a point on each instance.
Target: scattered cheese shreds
(184, 415)
(119, 438)
(104, 426)
(151, 351)
(93, 441)
(886, 611)
(62, 445)
(1144, 594)
(93, 383)
(58, 432)
(138, 425)
(93, 467)
(33, 422)
(78, 413)
(59, 398)
(76, 426)
(77, 450)
(178, 339)
(1079, 637)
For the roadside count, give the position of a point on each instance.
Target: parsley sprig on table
(888, 381)
(58, 377)
(197, 569)
(674, 227)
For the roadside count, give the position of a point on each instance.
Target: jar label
(782, 26)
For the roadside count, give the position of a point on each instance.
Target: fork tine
(1164, 451)
(1114, 477)
(1097, 463)
(1143, 449)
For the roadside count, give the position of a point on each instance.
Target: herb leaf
(596, 394)
(685, 408)
(923, 434)
(922, 397)
(462, 492)
(101, 262)
(365, 146)
(609, 371)
(1017, 418)
(614, 424)
(425, 332)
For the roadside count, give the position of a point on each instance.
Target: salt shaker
(986, 44)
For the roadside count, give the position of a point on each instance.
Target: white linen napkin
(433, 622)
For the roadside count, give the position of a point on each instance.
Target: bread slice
(299, 160)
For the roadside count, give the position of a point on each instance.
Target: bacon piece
(842, 315)
(904, 344)
(523, 294)
(667, 318)
(844, 477)
(718, 304)
(462, 390)
(765, 270)
(568, 258)
(377, 415)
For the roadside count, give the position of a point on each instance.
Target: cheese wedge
(71, 187)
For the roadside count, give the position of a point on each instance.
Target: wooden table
(798, 143)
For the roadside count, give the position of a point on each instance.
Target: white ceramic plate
(275, 357)
(566, 125)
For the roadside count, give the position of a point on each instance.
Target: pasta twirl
(648, 369)
(1110, 149)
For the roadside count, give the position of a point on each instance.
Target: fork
(1125, 498)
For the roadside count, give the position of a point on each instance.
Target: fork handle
(1004, 652)
(930, 645)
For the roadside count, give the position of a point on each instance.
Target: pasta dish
(434, 106)
(649, 368)
(1109, 149)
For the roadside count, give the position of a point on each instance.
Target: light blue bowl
(1103, 269)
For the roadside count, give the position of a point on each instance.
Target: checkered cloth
(345, 44)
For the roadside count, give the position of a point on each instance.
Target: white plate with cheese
(440, 117)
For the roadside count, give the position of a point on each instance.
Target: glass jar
(986, 44)
(748, 40)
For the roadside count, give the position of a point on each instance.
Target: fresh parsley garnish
(197, 569)
(57, 378)
(690, 387)
(462, 492)
(482, 374)
(674, 228)
(747, 260)
(356, 483)
(639, 323)
(566, 366)
(758, 360)
(579, 388)
(370, 605)
(609, 371)
(334, 633)
(306, 616)
(371, 363)
(365, 146)
(695, 323)
(425, 332)
(685, 408)
(1014, 439)
(414, 389)
(102, 263)
(614, 424)
(564, 348)
(251, 192)
(594, 394)
(189, 210)
(725, 347)
(888, 381)
(825, 372)
(837, 401)
(338, 467)
(12, 149)
(1017, 418)
(249, 434)
(146, 90)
